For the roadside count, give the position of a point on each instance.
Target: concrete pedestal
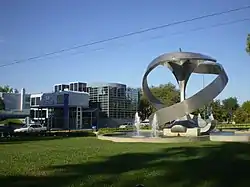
(194, 132)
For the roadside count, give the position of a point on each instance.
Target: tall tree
(145, 108)
(167, 93)
(245, 109)
(6, 89)
(230, 105)
(248, 44)
(218, 110)
(241, 116)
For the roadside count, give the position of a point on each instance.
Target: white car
(126, 125)
(31, 128)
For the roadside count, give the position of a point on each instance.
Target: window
(27, 99)
(33, 101)
(43, 113)
(60, 99)
(56, 88)
(38, 100)
(32, 113)
(71, 87)
(75, 86)
(65, 87)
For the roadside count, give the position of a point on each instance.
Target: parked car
(126, 125)
(32, 128)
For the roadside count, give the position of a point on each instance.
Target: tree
(218, 110)
(167, 93)
(2, 106)
(230, 105)
(145, 108)
(240, 116)
(6, 89)
(248, 44)
(15, 91)
(243, 113)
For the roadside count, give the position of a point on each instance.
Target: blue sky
(30, 28)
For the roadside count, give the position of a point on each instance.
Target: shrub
(112, 130)
(34, 135)
(11, 122)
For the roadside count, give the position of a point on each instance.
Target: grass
(91, 162)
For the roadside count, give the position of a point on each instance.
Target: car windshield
(25, 126)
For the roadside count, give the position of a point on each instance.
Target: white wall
(75, 99)
(79, 99)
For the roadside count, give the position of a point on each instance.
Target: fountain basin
(146, 137)
(236, 136)
(138, 136)
(154, 139)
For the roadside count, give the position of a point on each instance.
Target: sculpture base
(191, 132)
(189, 125)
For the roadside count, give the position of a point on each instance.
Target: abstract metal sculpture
(182, 65)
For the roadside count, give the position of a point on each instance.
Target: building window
(27, 99)
(75, 86)
(64, 87)
(44, 113)
(32, 113)
(60, 99)
(56, 88)
(38, 100)
(33, 101)
(71, 87)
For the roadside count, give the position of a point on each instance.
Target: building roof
(102, 84)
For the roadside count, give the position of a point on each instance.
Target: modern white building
(16, 101)
(64, 109)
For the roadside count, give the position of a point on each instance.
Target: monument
(178, 116)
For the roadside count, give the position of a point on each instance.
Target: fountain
(155, 126)
(181, 125)
(137, 122)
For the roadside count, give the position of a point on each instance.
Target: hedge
(11, 121)
(24, 135)
(112, 130)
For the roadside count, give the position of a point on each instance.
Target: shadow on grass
(212, 165)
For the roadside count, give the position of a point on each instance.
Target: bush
(11, 122)
(34, 135)
(74, 133)
(128, 129)
(112, 130)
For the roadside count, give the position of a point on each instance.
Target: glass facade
(133, 98)
(115, 101)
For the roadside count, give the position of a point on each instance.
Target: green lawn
(91, 162)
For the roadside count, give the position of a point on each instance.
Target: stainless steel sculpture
(182, 65)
